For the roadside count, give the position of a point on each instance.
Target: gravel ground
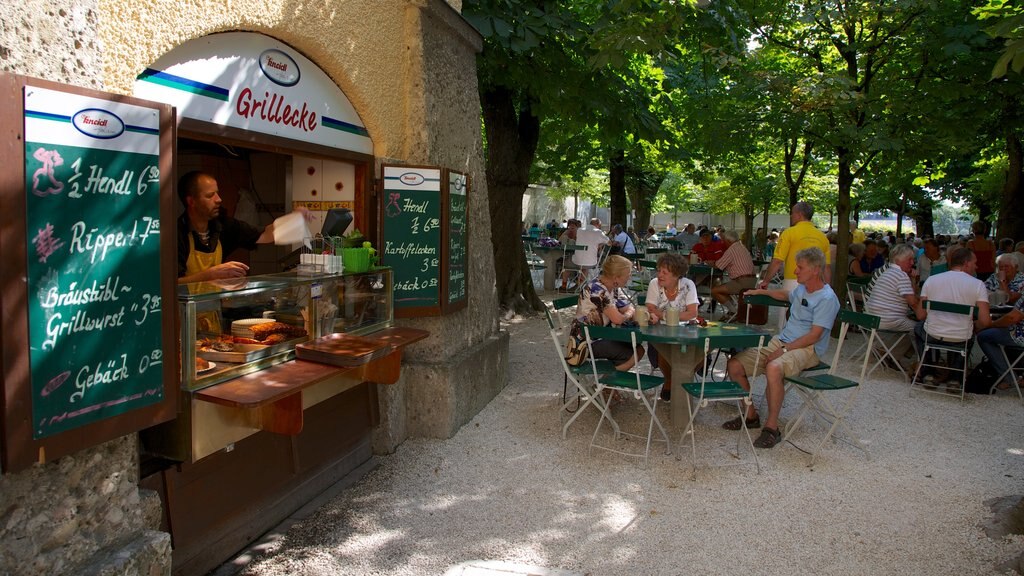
(508, 488)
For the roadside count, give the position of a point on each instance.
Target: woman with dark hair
(984, 250)
(673, 289)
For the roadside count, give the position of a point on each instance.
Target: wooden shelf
(267, 386)
(271, 399)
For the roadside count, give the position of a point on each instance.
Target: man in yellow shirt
(799, 236)
(858, 235)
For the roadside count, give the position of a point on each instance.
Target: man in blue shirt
(813, 307)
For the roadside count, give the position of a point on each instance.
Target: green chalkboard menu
(411, 238)
(92, 221)
(455, 226)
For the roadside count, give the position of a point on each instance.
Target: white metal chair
(576, 276)
(586, 394)
(643, 387)
(932, 344)
(706, 391)
(815, 389)
(1012, 370)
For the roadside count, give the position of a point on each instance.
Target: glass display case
(236, 327)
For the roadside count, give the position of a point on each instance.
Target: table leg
(551, 263)
(682, 362)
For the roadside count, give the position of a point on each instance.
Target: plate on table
(210, 366)
(241, 328)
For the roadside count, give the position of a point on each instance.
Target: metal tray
(249, 352)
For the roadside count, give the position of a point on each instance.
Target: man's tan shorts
(793, 362)
(740, 284)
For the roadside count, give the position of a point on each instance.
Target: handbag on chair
(576, 351)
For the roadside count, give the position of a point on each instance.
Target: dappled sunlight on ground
(507, 490)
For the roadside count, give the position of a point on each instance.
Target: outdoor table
(683, 347)
(550, 255)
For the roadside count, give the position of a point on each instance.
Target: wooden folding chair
(814, 390)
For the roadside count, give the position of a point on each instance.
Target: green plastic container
(356, 259)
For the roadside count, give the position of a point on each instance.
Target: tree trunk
(617, 188)
(924, 221)
(1011, 208)
(899, 214)
(845, 182)
(511, 144)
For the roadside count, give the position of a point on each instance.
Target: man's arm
(984, 317)
(778, 293)
(773, 268)
(224, 271)
(1009, 319)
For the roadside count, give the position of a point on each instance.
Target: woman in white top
(670, 288)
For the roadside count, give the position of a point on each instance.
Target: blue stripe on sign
(47, 116)
(190, 85)
(344, 126)
(142, 130)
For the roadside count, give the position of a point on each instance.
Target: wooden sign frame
(389, 251)
(449, 176)
(18, 449)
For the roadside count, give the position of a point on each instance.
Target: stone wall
(80, 515)
(83, 514)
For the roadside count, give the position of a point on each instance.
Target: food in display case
(262, 320)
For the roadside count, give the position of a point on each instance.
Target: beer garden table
(683, 347)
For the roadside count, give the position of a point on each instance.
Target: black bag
(982, 378)
(576, 351)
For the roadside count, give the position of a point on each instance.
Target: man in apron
(205, 235)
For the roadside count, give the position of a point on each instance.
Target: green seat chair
(701, 393)
(816, 389)
(578, 375)
(642, 387)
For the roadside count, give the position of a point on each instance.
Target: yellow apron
(206, 322)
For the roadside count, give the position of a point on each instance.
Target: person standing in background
(799, 236)
(984, 250)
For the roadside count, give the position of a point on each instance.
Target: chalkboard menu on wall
(411, 232)
(92, 189)
(455, 226)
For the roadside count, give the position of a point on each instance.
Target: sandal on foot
(735, 424)
(768, 438)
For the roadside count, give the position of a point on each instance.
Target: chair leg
(598, 401)
(838, 421)
(742, 405)
(1009, 372)
(693, 436)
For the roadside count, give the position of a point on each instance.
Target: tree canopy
(749, 105)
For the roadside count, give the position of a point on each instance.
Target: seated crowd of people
(905, 275)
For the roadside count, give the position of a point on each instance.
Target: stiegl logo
(279, 67)
(97, 123)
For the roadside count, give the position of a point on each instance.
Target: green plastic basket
(356, 259)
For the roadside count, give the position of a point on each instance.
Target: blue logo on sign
(97, 123)
(279, 67)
